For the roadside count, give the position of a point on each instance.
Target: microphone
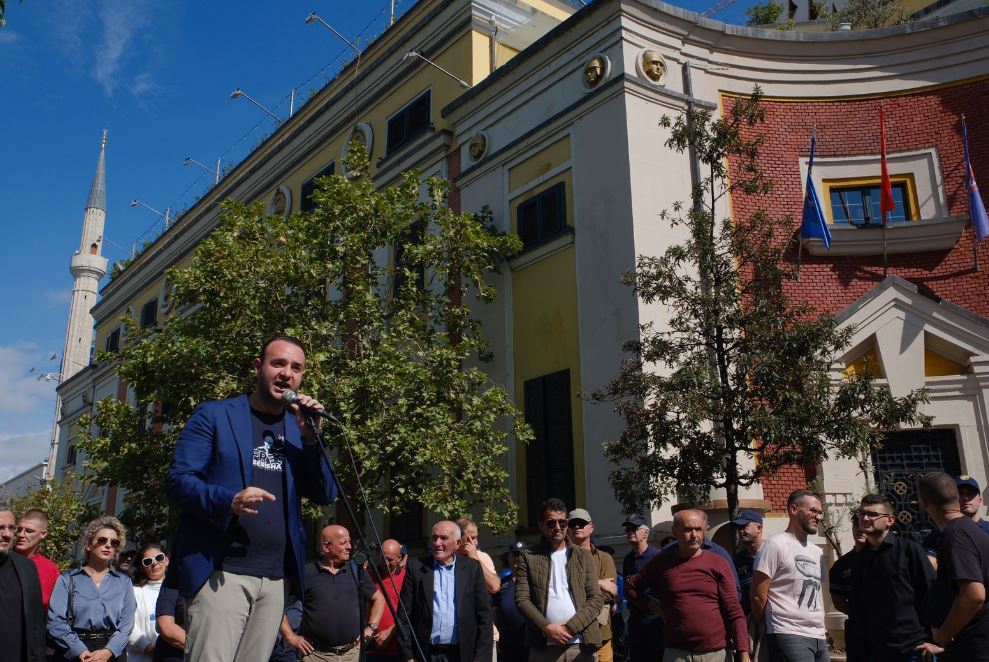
(292, 398)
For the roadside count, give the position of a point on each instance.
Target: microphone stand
(310, 418)
(360, 558)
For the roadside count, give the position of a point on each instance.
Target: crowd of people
(235, 586)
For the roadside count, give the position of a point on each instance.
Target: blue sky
(159, 77)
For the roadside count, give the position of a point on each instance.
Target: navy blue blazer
(212, 463)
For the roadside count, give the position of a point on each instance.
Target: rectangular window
(149, 314)
(859, 205)
(408, 123)
(70, 456)
(549, 464)
(113, 341)
(543, 216)
(308, 186)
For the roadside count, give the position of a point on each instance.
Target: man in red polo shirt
(695, 588)
(31, 530)
(388, 579)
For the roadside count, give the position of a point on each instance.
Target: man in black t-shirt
(337, 595)
(955, 607)
(241, 466)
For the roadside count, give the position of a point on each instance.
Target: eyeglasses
(103, 540)
(556, 523)
(149, 561)
(868, 514)
(578, 523)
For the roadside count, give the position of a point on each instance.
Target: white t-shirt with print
(795, 604)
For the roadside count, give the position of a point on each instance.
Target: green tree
(393, 349)
(763, 13)
(738, 384)
(867, 14)
(68, 514)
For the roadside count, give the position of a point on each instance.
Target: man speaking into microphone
(240, 468)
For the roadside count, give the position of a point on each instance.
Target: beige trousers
(350, 656)
(677, 655)
(234, 618)
(561, 654)
(606, 653)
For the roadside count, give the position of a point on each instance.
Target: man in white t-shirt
(786, 586)
(557, 592)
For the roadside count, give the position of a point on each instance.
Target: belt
(444, 647)
(93, 636)
(336, 650)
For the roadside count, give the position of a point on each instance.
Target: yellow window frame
(909, 185)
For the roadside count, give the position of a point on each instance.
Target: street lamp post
(237, 93)
(216, 173)
(165, 215)
(315, 18)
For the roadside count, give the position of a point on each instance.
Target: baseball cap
(580, 513)
(517, 547)
(745, 516)
(965, 479)
(635, 520)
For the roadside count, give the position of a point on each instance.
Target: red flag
(886, 204)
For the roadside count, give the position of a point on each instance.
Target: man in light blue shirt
(444, 602)
(448, 606)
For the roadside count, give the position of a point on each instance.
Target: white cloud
(8, 37)
(143, 84)
(58, 297)
(21, 451)
(120, 23)
(20, 390)
(103, 38)
(70, 20)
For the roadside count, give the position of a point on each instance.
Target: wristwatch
(373, 626)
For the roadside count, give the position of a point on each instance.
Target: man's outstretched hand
(247, 497)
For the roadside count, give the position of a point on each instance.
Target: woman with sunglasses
(92, 607)
(147, 585)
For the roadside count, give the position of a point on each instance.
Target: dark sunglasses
(578, 523)
(556, 524)
(149, 561)
(103, 540)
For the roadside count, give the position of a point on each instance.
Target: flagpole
(885, 266)
(886, 193)
(975, 238)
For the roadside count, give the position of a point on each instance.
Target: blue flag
(976, 210)
(813, 225)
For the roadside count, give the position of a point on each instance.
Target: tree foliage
(739, 383)
(393, 350)
(68, 514)
(763, 13)
(868, 14)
